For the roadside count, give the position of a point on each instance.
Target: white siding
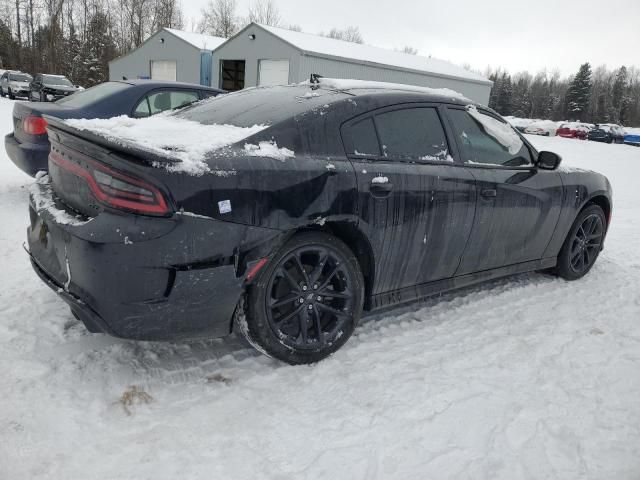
(342, 69)
(137, 63)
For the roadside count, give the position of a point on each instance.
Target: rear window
(91, 95)
(259, 106)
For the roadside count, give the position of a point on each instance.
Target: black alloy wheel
(310, 297)
(583, 244)
(306, 302)
(587, 243)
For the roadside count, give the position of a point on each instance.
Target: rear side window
(412, 133)
(484, 141)
(363, 138)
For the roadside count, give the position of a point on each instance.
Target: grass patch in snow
(134, 395)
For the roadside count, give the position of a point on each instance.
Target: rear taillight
(33, 125)
(116, 189)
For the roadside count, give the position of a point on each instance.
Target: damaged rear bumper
(143, 278)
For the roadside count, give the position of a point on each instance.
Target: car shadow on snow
(201, 361)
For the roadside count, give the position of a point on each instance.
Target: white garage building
(169, 54)
(264, 55)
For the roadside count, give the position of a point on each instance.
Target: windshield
(19, 77)
(259, 106)
(56, 80)
(91, 95)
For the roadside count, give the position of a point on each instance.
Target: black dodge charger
(384, 195)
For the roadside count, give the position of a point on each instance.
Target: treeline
(78, 38)
(593, 96)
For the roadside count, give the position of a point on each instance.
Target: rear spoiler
(56, 125)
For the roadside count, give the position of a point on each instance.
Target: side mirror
(548, 161)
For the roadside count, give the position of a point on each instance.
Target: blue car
(632, 139)
(28, 145)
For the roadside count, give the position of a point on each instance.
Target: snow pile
(268, 149)
(380, 180)
(169, 136)
(43, 199)
(520, 122)
(344, 84)
(502, 132)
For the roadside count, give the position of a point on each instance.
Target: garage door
(163, 70)
(274, 72)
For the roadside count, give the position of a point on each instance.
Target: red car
(574, 130)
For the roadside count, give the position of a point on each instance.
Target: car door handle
(489, 193)
(380, 189)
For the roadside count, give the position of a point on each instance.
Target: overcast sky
(514, 34)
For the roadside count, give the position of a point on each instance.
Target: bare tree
(294, 27)
(349, 34)
(265, 12)
(219, 18)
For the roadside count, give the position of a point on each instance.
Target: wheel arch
(356, 241)
(603, 202)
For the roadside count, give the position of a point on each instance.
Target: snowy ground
(525, 378)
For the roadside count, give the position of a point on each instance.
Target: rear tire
(583, 244)
(306, 301)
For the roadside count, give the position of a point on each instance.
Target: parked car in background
(329, 211)
(49, 88)
(632, 139)
(574, 130)
(607, 133)
(28, 145)
(545, 128)
(520, 124)
(15, 84)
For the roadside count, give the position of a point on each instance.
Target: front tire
(11, 95)
(583, 244)
(306, 301)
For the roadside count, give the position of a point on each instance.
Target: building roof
(328, 47)
(198, 40)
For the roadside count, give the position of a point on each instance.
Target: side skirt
(395, 298)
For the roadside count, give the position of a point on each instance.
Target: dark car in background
(28, 145)
(49, 88)
(607, 133)
(14, 84)
(333, 200)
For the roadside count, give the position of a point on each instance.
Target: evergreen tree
(619, 86)
(504, 106)
(579, 93)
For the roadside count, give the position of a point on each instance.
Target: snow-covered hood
(17, 84)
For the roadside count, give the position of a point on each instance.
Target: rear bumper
(138, 277)
(28, 157)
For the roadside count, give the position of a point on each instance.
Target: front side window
(412, 133)
(485, 140)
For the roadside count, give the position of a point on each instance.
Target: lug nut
(301, 300)
(319, 298)
(310, 307)
(315, 287)
(304, 288)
